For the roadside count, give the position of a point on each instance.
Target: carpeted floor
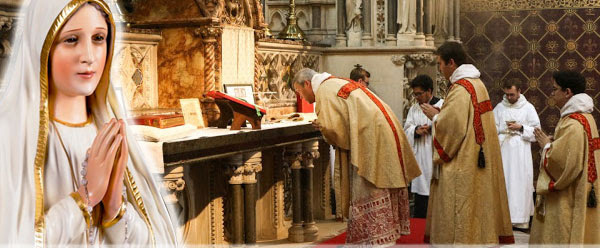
(417, 233)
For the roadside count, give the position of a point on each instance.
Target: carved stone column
(420, 37)
(451, 20)
(310, 152)
(367, 36)
(427, 22)
(209, 36)
(457, 20)
(340, 38)
(392, 22)
(252, 165)
(243, 194)
(236, 180)
(293, 154)
(175, 184)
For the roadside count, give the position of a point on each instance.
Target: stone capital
(235, 169)
(294, 156)
(412, 61)
(252, 165)
(173, 180)
(310, 151)
(209, 33)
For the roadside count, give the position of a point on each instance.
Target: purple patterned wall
(528, 45)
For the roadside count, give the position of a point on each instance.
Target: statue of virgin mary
(43, 159)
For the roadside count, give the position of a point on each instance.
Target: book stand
(236, 109)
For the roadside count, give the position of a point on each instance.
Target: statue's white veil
(24, 118)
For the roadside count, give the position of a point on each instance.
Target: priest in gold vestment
(374, 162)
(567, 187)
(468, 202)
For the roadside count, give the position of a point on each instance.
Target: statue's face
(78, 55)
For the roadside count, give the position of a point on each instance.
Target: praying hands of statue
(102, 171)
(429, 110)
(541, 137)
(113, 198)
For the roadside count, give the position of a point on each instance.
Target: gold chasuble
(468, 202)
(567, 187)
(374, 162)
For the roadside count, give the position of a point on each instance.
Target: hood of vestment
(580, 103)
(522, 101)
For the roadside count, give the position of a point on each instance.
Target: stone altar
(243, 186)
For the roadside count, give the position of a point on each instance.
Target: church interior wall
(526, 41)
(180, 66)
(161, 10)
(528, 45)
(386, 77)
(316, 18)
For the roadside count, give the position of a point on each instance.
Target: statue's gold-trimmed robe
(562, 215)
(374, 162)
(467, 204)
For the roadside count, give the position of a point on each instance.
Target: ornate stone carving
(381, 34)
(274, 69)
(252, 166)
(293, 155)
(236, 169)
(209, 67)
(326, 178)
(175, 184)
(210, 35)
(237, 13)
(441, 85)
(279, 191)
(259, 23)
(135, 70)
(212, 56)
(217, 213)
(411, 62)
(311, 152)
(6, 34)
(292, 158)
(234, 12)
(8, 22)
(211, 8)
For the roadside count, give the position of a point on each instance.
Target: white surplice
(516, 155)
(422, 147)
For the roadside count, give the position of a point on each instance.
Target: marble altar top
(212, 143)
